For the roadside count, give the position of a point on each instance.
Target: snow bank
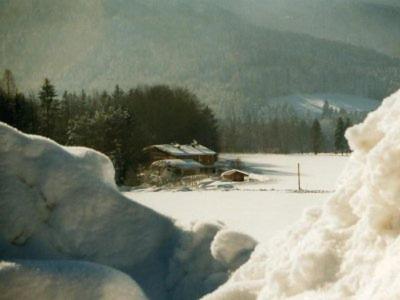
(349, 249)
(72, 202)
(61, 203)
(48, 280)
(194, 270)
(232, 248)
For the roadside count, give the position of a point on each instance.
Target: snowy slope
(312, 104)
(349, 249)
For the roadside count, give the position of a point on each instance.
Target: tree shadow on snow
(265, 169)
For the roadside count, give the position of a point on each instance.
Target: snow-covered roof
(230, 172)
(169, 148)
(191, 150)
(204, 149)
(185, 164)
(184, 150)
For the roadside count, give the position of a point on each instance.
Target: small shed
(235, 175)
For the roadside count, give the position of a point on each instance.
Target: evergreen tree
(25, 114)
(15, 109)
(340, 141)
(6, 109)
(8, 84)
(302, 135)
(326, 110)
(316, 137)
(62, 118)
(47, 96)
(347, 124)
(118, 93)
(342, 112)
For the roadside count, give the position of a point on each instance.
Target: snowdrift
(349, 249)
(48, 280)
(61, 203)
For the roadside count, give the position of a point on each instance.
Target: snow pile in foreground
(65, 280)
(349, 249)
(61, 203)
(194, 270)
(232, 248)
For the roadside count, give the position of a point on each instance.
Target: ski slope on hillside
(313, 104)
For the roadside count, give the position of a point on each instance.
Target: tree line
(285, 131)
(119, 124)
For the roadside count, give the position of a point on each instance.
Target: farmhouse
(185, 159)
(194, 151)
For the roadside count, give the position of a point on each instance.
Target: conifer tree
(347, 124)
(316, 137)
(8, 84)
(118, 93)
(47, 96)
(326, 110)
(340, 141)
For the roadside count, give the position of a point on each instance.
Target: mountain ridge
(373, 24)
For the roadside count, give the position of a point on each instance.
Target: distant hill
(227, 60)
(373, 24)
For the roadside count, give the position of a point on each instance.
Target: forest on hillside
(224, 59)
(371, 24)
(286, 131)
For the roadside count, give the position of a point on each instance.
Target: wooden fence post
(298, 177)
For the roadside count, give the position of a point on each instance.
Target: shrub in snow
(349, 249)
(48, 280)
(194, 269)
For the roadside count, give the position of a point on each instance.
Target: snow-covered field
(260, 207)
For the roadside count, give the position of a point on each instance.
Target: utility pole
(298, 177)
